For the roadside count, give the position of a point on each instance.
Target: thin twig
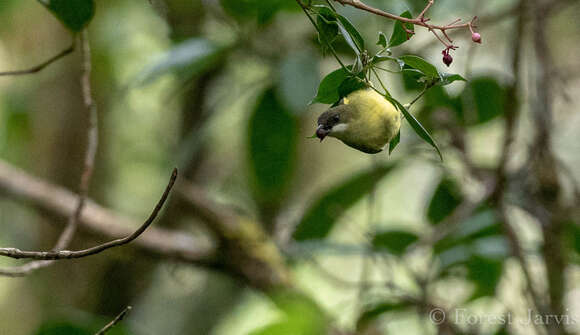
(68, 233)
(67, 254)
(330, 47)
(114, 322)
(422, 14)
(420, 20)
(39, 67)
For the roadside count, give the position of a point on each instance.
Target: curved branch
(101, 221)
(41, 66)
(67, 254)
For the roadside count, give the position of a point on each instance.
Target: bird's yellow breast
(375, 123)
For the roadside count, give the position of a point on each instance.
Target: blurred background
(221, 90)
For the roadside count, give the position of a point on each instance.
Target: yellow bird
(364, 120)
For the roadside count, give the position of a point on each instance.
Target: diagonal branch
(41, 66)
(115, 321)
(67, 254)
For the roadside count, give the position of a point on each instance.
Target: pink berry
(476, 37)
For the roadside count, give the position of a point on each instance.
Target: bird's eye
(336, 118)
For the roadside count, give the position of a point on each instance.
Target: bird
(363, 120)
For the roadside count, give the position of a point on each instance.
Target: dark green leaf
(262, 11)
(268, 9)
(325, 12)
(448, 78)
(79, 327)
(320, 218)
(422, 65)
(446, 198)
(298, 79)
(351, 31)
(63, 328)
(394, 142)
(377, 59)
(503, 330)
(382, 40)
(399, 35)
(74, 14)
(327, 31)
(239, 9)
(273, 133)
(190, 58)
(487, 97)
(328, 88)
(417, 126)
(394, 241)
(572, 241)
(412, 79)
(372, 312)
(485, 273)
(575, 236)
(351, 84)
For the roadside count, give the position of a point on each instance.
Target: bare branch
(114, 322)
(420, 20)
(67, 254)
(101, 221)
(41, 66)
(68, 233)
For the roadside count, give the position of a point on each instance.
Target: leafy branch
(422, 21)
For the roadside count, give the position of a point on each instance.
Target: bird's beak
(321, 132)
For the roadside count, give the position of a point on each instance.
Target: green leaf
(417, 126)
(327, 31)
(394, 142)
(485, 273)
(575, 236)
(298, 79)
(377, 59)
(88, 326)
(487, 97)
(446, 198)
(572, 240)
(300, 316)
(394, 241)
(422, 65)
(328, 88)
(481, 225)
(320, 218)
(74, 14)
(189, 58)
(272, 140)
(352, 32)
(267, 10)
(412, 79)
(374, 311)
(261, 11)
(351, 84)
(399, 35)
(382, 40)
(448, 78)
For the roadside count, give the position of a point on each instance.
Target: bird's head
(334, 121)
